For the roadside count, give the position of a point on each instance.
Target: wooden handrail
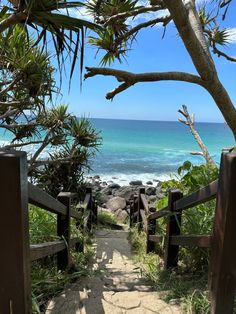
(41, 250)
(144, 219)
(42, 199)
(145, 203)
(160, 213)
(201, 196)
(203, 241)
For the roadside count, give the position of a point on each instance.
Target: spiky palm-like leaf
(49, 16)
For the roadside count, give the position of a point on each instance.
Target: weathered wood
(42, 199)
(15, 287)
(63, 230)
(201, 196)
(131, 215)
(145, 203)
(151, 230)
(156, 238)
(223, 258)
(160, 213)
(38, 251)
(173, 228)
(135, 215)
(144, 219)
(191, 240)
(140, 206)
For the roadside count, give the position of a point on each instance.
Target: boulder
(136, 182)
(149, 183)
(116, 203)
(114, 186)
(106, 191)
(121, 215)
(126, 192)
(151, 190)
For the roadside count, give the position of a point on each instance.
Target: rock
(116, 203)
(121, 215)
(114, 178)
(152, 199)
(106, 191)
(96, 177)
(126, 192)
(136, 182)
(159, 193)
(114, 186)
(151, 190)
(149, 183)
(104, 183)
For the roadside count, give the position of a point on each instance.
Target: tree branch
(22, 144)
(190, 123)
(165, 20)
(130, 79)
(12, 20)
(134, 13)
(222, 54)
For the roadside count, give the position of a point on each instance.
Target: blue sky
(151, 101)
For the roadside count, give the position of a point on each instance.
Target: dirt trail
(118, 289)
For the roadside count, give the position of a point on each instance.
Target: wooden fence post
(90, 207)
(223, 255)
(140, 205)
(151, 230)
(63, 230)
(135, 218)
(15, 287)
(131, 214)
(173, 228)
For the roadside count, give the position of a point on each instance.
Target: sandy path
(118, 289)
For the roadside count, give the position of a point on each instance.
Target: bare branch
(190, 123)
(222, 54)
(165, 20)
(130, 79)
(9, 113)
(135, 12)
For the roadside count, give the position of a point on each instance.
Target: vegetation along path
(117, 288)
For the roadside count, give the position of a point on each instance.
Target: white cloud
(232, 35)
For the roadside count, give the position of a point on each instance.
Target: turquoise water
(153, 149)
(150, 150)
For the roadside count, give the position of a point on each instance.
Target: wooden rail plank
(145, 203)
(191, 240)
(160, 213)
(42, 199)
(144, 219)
(201, 196)
(38, 251)
(156, 238)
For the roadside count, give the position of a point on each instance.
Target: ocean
(149, 150)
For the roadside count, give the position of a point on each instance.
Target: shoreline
(124, 179)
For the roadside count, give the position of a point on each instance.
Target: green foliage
(185, 286)
(112, 38)
(47, 281)
(196, 220)
(106, 219)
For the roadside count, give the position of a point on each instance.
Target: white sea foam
(124, 179)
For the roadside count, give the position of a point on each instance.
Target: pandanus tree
(198, 28)
(27, 113)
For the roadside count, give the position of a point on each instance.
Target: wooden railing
(16, 253)
(222, 268)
